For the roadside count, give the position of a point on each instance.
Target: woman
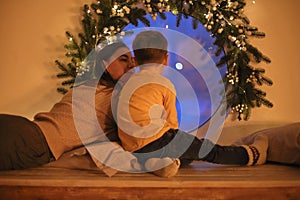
(25, 144)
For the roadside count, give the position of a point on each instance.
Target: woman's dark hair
(105, 54)
(95, 60)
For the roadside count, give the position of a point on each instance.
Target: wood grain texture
(199, 181)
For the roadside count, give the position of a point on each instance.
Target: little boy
(147, 117)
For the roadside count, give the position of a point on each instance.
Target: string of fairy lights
(220, 17)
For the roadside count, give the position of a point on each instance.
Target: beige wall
(280, 21)
(32, 37)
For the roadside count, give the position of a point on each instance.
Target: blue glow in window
(186, 106)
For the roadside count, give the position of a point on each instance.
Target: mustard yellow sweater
(146, 108)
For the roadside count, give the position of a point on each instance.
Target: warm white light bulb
(179, 66)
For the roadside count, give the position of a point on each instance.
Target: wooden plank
(212, 175)
(201, 179)
(74, 193)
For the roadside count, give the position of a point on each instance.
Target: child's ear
(135, 62)
(166, 60)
